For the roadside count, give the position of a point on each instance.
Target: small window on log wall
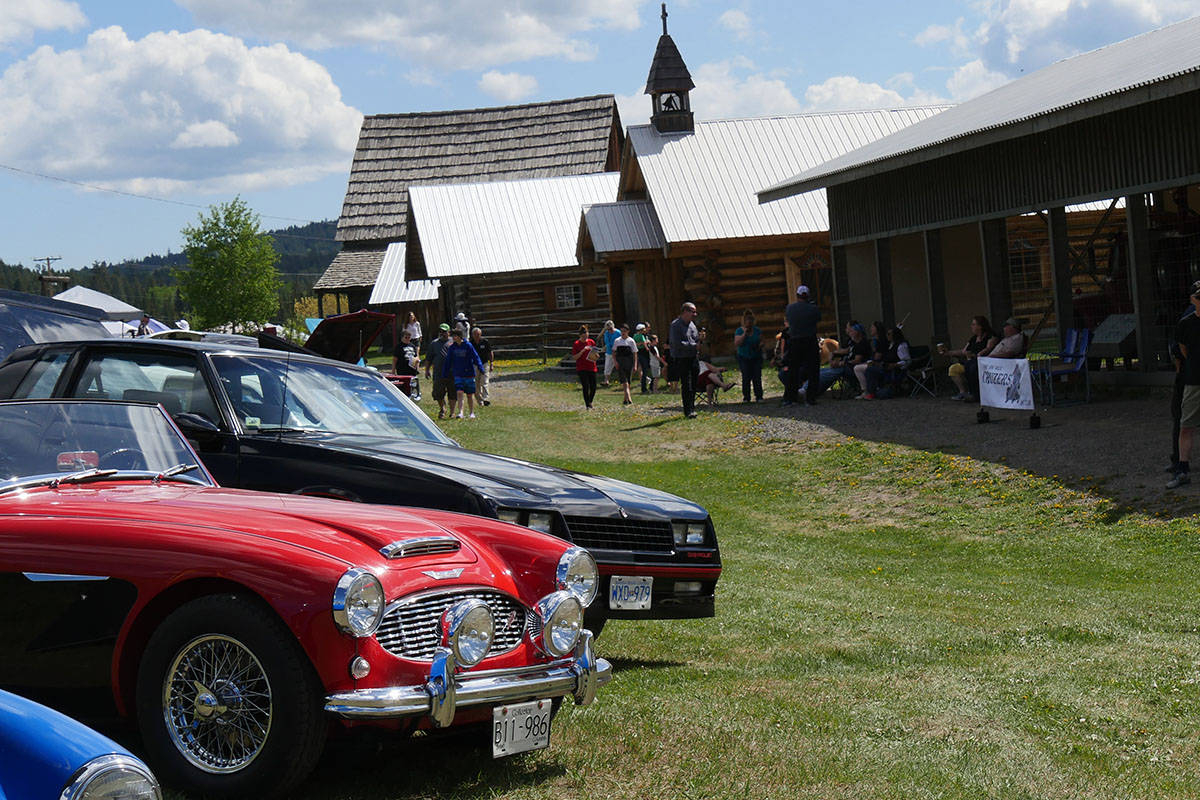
(569, 296)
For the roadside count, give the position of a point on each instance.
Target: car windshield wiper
(83, 476)
(176, 472)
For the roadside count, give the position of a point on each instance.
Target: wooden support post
(841, 287)
(993, 239)
(1060, 268)
(321, 305)
(1141, 281)
(936, 275)
(883, 265)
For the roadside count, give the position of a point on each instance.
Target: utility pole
(50, 281)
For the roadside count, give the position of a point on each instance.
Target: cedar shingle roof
(668, 73)
(561, 137)
(352, 269)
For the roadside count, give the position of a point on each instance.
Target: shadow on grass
(658, 423)
(622, 664)
(376, 765)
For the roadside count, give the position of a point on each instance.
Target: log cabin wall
(520, 312)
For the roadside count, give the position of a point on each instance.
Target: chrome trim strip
(55, 577)
(421, 546)
(578, 677)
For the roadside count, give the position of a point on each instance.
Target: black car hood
(513, 481)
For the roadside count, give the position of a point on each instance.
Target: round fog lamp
(562, 619)
(360, 668)
(467, 629)
(578, 575)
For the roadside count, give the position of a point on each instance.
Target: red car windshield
(55, 439)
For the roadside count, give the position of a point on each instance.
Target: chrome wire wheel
(217, 704)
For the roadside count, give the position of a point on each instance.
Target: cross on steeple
(664, 17)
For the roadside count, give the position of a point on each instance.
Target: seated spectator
(887, 371)
(982, 338)
(1013, 345)
(710, 379)
(857, 351)
(877, 342)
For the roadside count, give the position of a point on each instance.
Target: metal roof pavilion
(1152, 66)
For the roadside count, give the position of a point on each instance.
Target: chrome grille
(420, 547)
(621, 534)
(410, 626)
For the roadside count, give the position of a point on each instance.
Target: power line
(94, 187)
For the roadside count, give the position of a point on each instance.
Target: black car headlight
(112, 777)
(578, 575)
(358, 602)
(538, 520)
(689, 534)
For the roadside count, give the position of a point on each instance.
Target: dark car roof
(177, 345)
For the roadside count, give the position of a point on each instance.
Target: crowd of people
(459, 361)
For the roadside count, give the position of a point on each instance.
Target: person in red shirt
(585, 364)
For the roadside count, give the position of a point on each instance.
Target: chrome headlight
(578, 575)
(562, 620)
(541, 521)
(113, 777)
(688, 533)
(358, 602)
(467, 630)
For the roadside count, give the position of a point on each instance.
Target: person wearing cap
(1012, 344)
(685, 341)
(435, 360)
(803, 349)
(641, 336)
(461, 365)
(1187, 337)
(143, 328)
(463, 324)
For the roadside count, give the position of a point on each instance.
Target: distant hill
(304, 253)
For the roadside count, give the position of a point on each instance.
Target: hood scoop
(422, 546)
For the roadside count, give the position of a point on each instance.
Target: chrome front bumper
(444, 691)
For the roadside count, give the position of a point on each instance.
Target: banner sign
(1005, 383)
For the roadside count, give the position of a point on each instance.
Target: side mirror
(195, 425)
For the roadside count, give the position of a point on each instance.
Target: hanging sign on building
(1005, 383)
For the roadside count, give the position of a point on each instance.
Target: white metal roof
(703, 184)
(504, 226)
(391, 287)
(1147, 59)
(622, 227)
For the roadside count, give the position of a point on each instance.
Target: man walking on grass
(1187, 335)
(685, 341)
(435, 358)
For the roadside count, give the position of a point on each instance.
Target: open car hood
(345, 337)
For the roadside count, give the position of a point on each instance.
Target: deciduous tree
(230, 277)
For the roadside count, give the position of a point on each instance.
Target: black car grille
(410, 627)
(621, 534)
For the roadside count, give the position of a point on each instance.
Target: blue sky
(192, 102)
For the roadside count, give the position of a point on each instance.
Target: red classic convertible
(239, 627)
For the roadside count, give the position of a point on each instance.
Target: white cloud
(205, 134)
(193, 111)
(20, 19)
(510, 87)
(973, 79)
(1020, 36)
(842, 92)
(465, 34)
(737, 22)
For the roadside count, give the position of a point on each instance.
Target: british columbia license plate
(520, 727)
(629, 592)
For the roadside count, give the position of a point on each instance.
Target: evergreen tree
(230, 277)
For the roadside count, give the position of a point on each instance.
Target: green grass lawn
(890, 623)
